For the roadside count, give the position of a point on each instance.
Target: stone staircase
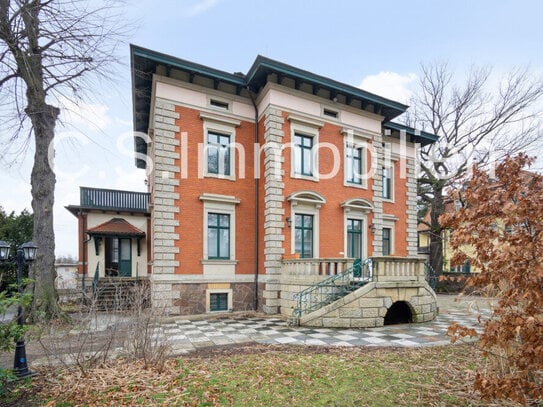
(331, 290)
(113, 294)
(382, 290)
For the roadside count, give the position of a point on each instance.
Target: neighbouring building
(114, 228)
(262, 184)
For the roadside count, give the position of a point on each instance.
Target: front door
(125, 257)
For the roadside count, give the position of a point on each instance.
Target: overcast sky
(377, 45)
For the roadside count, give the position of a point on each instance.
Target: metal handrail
(431, 275)
(333, 287)
(96, 278)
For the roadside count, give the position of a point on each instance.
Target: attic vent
(330, 113)
(219, 104)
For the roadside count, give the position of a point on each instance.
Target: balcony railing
(113, 199)
(316, 267)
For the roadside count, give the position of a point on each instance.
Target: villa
(263, 186)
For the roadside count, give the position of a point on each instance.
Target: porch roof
(116, 227)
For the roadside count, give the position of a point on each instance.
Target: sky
(377, 45)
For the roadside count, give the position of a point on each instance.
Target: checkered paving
(186, 335)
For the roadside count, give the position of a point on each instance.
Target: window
(353, 164)
(218, 302)
(218, 153)
(354, 238)
(387, 241)
(303, 235)
(303, 158)
(387, 182)
(329, 113)
(219, 104)
(115, 250)
(218, 236)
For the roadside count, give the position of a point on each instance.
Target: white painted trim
(227, 121)
(316, 99)
(357, 133)
(357, 204)
(391, 168)
(221, 207)
(304, 120)
(240, 106)
(308, 197)
(391, 225)
(305, 208)
(199, 278)
(389, 218)
(310, 131)
(352, 139)
(220, 127)
(359, 215)
(227, 199)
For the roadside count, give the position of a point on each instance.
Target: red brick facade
(192, 100)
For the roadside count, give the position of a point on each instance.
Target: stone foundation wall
(190, 298)
(367, 307)
(290, 287)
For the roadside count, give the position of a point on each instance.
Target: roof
(116, 227)
(416, 136)
(144, 63)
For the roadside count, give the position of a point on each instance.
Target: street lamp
(26, 253)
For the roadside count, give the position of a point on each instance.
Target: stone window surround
(227, 291)
(356, 139)
(225, 126)
(390, 166)
(224, 204)
(364, 219)
(309, 127)
(306, 203)
(389, 221)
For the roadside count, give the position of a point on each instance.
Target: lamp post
(26, 253)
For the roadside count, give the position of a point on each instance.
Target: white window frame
(305, 209)
(390, 166)
(356, 209)
(223, 204)
(358, 140)
(364, 236)
(224, 126)
(363, 165)
(309, 128)
(389, 221)
(306, 203)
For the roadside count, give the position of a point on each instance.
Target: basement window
(330, 113)
(219, 104)
(218, 302)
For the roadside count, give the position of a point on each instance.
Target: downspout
(257, 198)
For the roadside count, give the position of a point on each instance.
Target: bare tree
(49, 50)
(478, 122)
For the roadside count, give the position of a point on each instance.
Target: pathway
(187, 335)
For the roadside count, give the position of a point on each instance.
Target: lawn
(260, 375)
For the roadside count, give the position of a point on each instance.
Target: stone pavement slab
(274, 330)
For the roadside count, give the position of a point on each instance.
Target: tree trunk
(43, 117)
(436, 241)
